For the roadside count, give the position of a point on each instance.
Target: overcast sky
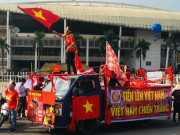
(173, 5)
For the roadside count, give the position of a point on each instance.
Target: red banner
(127, 104)
(48, 98)
(40, 107)
(35, 106)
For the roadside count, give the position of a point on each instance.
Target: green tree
(109, 36)
(141, 49)
(172, 42)
(4, 46)
(39, 35)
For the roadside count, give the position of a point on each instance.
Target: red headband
(12, 85)
(67, 29)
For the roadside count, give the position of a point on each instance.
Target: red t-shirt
(12, 98)
(69, 40)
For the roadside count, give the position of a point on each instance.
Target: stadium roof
(128, 17)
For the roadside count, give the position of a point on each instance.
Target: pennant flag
(78, 64)
(89, 71)
(56, 68)
(113, 64)
(46, 17)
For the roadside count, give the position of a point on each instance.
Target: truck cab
(75, 86)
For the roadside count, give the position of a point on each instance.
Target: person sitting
(40, 85)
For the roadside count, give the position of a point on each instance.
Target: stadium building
(90, 19)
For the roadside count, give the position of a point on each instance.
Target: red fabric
(87, 107)
(170, 74)
(37, 78)
(108, 73)
(128, 75)
(78, 64)
(35, 106)
(48, 97)
(46, 17)
(113, 65)
(56, 68)
(143, 74)
(69, 40)
(32, 81)
(12, 98)
(72, 126)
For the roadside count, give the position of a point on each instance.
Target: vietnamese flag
(84, 107)
(46, 17)
(56, 68)
(78, 64)
(87, 107)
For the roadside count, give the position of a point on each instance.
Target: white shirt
(21, 91)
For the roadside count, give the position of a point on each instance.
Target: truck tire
(2, 118)
(88, 127)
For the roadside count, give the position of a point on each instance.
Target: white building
(90, 21)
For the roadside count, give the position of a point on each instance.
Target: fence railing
(10, 76)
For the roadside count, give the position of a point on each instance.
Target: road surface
(153, 127)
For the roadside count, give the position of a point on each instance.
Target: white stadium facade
(90, 19)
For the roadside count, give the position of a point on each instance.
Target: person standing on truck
(176, 104)
(13, 103)
(70, 51)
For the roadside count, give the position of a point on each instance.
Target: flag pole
(106, 51)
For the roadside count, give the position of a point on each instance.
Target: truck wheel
(2, 117)
(88, 127)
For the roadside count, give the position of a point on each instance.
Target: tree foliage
(109, 36)
(141, 49)
(4, 46)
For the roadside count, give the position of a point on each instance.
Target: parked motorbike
(3, 110)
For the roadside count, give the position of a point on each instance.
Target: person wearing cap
(70, 50)
(13, 103)
(22, 95)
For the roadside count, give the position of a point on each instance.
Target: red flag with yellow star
(56, 68)
(46, 17)
(87, 107)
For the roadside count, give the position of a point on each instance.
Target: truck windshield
(61, 85)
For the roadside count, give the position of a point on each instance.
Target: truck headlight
(58, 109)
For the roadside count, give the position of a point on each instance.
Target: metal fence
(10, 76)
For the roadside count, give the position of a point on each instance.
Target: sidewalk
(24, 127)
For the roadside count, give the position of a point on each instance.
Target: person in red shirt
(70, 51)
(13, 103)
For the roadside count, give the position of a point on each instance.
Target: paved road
(153, 127)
